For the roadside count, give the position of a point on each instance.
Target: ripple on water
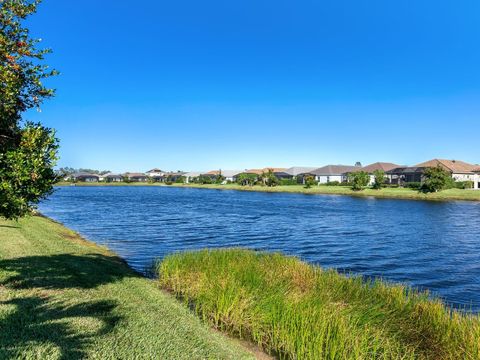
(430, 245)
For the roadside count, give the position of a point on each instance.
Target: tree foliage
(309, 181)
(359, 180)
(436, 179)
(28, 151)
(379, 181)
(247, 179)
(269, 179)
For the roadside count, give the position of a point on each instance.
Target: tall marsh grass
(298, 311)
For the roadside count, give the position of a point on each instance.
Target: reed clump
(298, 311)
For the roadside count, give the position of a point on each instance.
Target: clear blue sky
(200, 85)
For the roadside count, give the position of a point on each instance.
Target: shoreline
(385, 193)
(63, 296)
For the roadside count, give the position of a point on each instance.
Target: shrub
(413, 185)
(333, 183)
(169, 182)
(287, 182)
(359, 180)
(463, 184)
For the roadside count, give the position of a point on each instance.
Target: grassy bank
(298, 311)
(64, 298)
(388, 193)
(392, 193)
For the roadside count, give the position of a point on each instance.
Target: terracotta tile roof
(261, 171)
(454, 166)
(380, 166)
(477, 169)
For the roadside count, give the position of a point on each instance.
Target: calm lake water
(430, 245)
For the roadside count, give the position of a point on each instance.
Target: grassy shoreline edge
(62, 296)
(299, 311)
(386, 193)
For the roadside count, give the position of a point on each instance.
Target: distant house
(173, 176)
(111, 177)
(190, 176)
(383, 166)
(280, 173)
(229, 175)
(136, 177)
(459, 170)
(84, 177)
(300, 172)
(331, 173)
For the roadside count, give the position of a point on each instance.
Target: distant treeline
(64, 171)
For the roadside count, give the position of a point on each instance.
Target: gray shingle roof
(335, 170)
(297, 170)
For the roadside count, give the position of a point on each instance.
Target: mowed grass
(392, 193)
(299, 311)
(64, 298)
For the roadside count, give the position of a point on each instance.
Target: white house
(332, 173)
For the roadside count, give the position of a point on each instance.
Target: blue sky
(220, 84)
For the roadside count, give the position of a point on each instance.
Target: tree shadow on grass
(64, 271)
(40, 321)
(67, 326)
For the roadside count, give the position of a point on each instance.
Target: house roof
(193, 173)
(406, 170)
(135, 174)
(155, 170)
(84, 174)
(384, 166)
(335, 170)
(477, 169)
(297, 170)
(454, 166)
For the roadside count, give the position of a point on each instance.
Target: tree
(269, 179)
(379, 176)
(28, 151)
(309, 181)
(247, 179)
(359, 179)
(436, 179)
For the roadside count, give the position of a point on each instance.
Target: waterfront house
(383, 166)
(173, 176)
(280, 173)
(136, 177)
(85, 177)
(229, 175)
(300, 172)
(111, 177)
(459, 170)
(332, 173)
(190, 176)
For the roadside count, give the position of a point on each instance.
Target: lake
(429, 245)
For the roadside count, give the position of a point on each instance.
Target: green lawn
(299, 311)
(398, 193)
(392, 193)
(64, 298)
